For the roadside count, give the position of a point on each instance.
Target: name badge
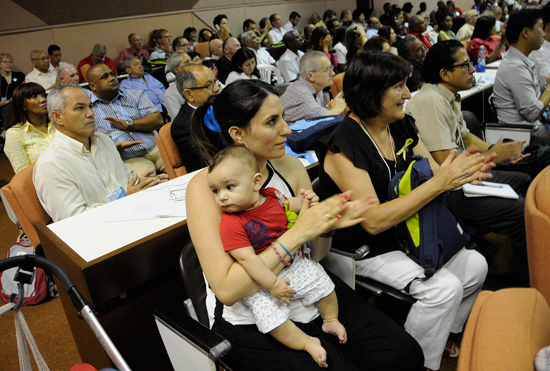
(116, 194)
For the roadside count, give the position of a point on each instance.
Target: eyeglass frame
(468, 64)
(205, 86)
(326, 70)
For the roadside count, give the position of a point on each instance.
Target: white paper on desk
(489, 189)
(124, 213)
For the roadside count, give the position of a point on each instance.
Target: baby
(253, 219)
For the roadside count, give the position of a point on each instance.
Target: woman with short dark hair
(361, 155)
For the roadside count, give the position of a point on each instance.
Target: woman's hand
(354, 210)
(467, 167)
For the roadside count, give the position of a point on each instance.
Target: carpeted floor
(51, 331)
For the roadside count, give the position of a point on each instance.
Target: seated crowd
(98, 145)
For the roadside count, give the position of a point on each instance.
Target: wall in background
(76, 39)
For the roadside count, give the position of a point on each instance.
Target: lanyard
(380, 152)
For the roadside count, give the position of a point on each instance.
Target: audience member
(314, 18)
(517, 95)
(181, 43)
(265, 27)
(407, 9)
(190, 33)
(288, 64)
(477, 6)
(374, 25)
(81, 169)
(377, 44)
(385, 18)
(412, 50)
(497, 11)
(277, 31)
(465, 32)
(9, 81)
(141, 80)
(251, 41)
(204, 35)
(221, 25)
(340, 48)
(327, 16)
(541, 57)
(441, 9)
(484, 35)
(32, 130)
(195, 57)
(42, 74)
(230, 46)
(389, 34)
(332, 25)
(423, 8)
(359, 155)
(322, 41)
(163, 46)
(196, 83)
(135, 50)
(216, 49)
(304, 98)
(417, 27)
(173, 99)
(397, 27)
(445, 22)
(68, 74)
(127, 116)
(346, 16)
(54, 53)
(355, 39)
(308, 30)
(98, 56)
(243, 66)
(456, 12)
(293, 20)
(358, 16)
(436, 110)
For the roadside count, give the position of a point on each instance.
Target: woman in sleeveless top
(445, 22)
(250, 113)
(360, 154)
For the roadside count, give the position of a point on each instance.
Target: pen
(329, 103)
(491, 185)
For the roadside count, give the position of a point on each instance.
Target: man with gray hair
(172, 97)
(81, 169)
(140, 80)
(67, 74)
(303, 98)
(465, 32)
(196, 83)
(411, 49)
(42, 74)
(98, 55)
(251, 40)
(289, 62)
(417, 28)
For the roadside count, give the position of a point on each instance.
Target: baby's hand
(281, 290)
(308, 194)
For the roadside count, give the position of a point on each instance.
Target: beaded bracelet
(284, 248)
(328, 234)
(285, 263)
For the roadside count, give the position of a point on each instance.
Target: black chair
(473, 124)
(187, 337)
(496, 130)
(281, 88)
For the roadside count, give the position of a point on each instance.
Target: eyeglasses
(166, 37)
(41, 59)
(468, 64)
(7, 61)
(186, 45)
(209, 85)
(326, 70)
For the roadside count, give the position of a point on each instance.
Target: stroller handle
(28, 262)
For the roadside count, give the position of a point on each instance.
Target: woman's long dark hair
(368, 76)
(20, 95)
(317, 35)
(201, 35)
(483, 27)
(241, 56)
(236, 105)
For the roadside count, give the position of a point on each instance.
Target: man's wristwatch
(130, 122)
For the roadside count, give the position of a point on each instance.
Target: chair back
(338, 86)
(473, 124)
(505, 331)
(193, 280)
(266, 70)
(203, 49)
(537, 224)
(23, 200)
(169, 153)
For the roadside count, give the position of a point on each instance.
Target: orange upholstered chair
(169, 153)
(537, 224)
(337, 86)
(505, 331)
(21, 195)
(203, 49)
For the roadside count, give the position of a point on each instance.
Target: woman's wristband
(285, 263)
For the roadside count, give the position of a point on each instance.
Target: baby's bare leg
(291, 336)
(328, 308)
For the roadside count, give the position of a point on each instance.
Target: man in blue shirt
(140, 80)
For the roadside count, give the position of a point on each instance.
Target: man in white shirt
(216, 50)
(172, 97)
(81, 169)
(67, 74)
(42, 74)
(293, 21)
(251, 40)
(277, 32)
(465, 32)
(374, 25)
(290, 60)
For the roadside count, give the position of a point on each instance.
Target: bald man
(126, 116)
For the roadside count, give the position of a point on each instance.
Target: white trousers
(443, 302)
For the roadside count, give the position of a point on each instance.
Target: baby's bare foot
(316, 351)
(335, 328)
